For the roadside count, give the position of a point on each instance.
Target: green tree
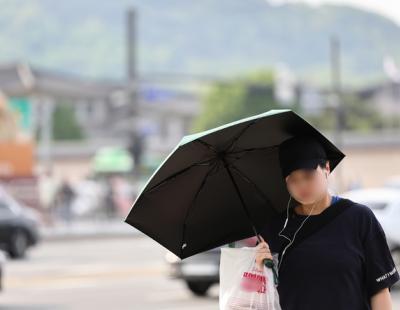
(234, 99)
(65, 125)
(358, 115)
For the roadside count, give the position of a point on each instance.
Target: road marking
(83, 276)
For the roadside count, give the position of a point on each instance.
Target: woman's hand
(262, 253)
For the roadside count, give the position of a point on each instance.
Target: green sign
(22, 106)
(112, 159)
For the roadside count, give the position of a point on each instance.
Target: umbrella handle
(270, 264)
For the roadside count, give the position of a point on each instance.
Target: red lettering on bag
(252, 282)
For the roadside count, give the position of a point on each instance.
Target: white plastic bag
(242, 285)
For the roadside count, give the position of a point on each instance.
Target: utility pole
(135, 141)
(46, 131)
(338, 103)
(131, 60)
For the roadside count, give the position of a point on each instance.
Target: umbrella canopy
(221, 185)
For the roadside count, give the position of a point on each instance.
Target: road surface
(109, 273)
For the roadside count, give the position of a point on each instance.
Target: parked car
(19, 226)
(200, 271)
(3, 259)
(385, 203)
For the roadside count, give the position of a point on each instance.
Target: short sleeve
(380, 268)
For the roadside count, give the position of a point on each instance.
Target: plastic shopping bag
(244, 286)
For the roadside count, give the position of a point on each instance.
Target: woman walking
(333, 252)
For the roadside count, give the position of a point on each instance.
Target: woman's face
(308, 185)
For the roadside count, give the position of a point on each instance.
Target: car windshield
(9, 202)
(376, 205)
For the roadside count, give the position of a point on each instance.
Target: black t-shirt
(339, 266)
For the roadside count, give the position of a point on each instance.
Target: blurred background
(95, 94)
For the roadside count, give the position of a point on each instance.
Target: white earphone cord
(284, 226)
(294, 236)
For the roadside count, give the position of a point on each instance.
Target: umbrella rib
(240, 197)
(232, 144)
(246, 178)
(203, 163)
(207, 145)
(183, 245)
(255, 149)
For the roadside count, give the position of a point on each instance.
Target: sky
(388, 8)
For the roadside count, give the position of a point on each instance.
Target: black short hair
(322, 163)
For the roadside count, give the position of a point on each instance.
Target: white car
(3, 259)
(385, 203)
(393, 182)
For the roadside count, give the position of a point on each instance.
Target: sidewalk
(88, 229)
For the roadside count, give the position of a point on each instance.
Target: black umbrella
(221, 185)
